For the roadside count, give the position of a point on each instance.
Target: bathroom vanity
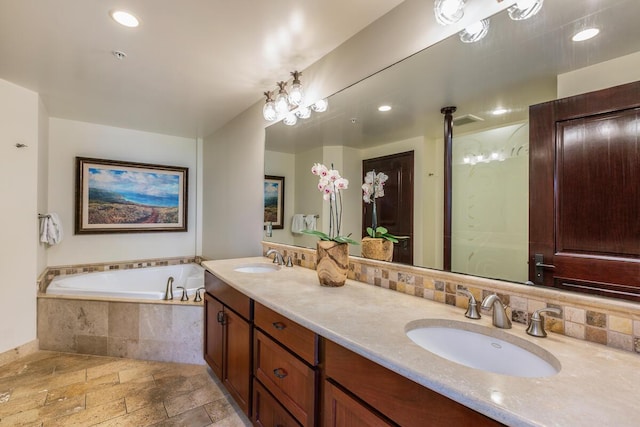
(308, 355)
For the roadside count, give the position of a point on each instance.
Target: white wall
(233, 156)
(19, 193)
(233, 205)
(43, 169)
(68, 139)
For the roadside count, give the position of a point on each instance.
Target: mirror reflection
(492, 83)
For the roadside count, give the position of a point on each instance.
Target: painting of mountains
(121, 196)
(274, 200)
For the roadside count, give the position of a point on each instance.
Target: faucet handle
(472, 310)
(289, 261)
(185, 297)
(536, 325)
(198, 297)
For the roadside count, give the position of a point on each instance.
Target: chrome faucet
(536, 326)
(168, 294)
(277, 258)
(185, 297)
(500, 318)
(472, 309)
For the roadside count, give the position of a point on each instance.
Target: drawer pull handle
(280, 373)
(220, 317)
(279, 325)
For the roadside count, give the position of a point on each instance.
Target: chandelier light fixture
(448, 11)
(290, 106)
(475, 32)
(524, 9)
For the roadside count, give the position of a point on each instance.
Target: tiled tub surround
(596, 385)
(169, 331)
(614, 323)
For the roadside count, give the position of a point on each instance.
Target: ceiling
(191, 66)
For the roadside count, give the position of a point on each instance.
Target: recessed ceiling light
(499, 111)
(384, 108)
(124, 18)
(587, 34)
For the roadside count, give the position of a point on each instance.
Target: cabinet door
(267, 412)
(341, 410)
(237, 358)
(213, 334)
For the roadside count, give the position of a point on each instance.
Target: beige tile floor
(58, 389)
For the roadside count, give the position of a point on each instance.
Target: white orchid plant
(372, 189)
(331, 184)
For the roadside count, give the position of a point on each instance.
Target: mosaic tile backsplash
(601, 320)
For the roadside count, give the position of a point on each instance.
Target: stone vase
(377, 248)
(333, 263)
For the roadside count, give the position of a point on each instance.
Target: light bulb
(296, 94)
(448, 11)
(524, 9)
(303, 112)
(585, 34)
(269, 109)
(282, 101)
(290, 119)
(475, 32)
(320, 106)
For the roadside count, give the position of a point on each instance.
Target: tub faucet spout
(168, 294)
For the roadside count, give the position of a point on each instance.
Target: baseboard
(18, 352)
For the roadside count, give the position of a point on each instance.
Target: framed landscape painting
(126, 197)
(274, 200)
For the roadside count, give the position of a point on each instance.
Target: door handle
(539, 268)
(221, 317)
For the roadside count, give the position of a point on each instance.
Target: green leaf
(343, 239)
(381, 230)
(370, 232)
(320, 234)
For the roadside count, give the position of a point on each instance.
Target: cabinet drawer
(298, 339)
(267, 412)
(398, 398)
(236, 300)
(290, 380)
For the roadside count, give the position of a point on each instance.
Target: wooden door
(237, 358)
(213, 334)
(395, 209)
(584, 184)
(342, 410)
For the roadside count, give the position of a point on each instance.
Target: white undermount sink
(481, 347)
(257, 268)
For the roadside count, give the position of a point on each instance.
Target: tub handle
(198, 297)
(184, 293)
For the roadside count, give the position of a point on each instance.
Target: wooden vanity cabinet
(285, 367)
(228, 338)
(395, 397)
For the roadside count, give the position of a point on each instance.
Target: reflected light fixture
(475, 32)
(269, 110)
(290, 119)
(448, 11)
(296, 94)
(587, 34)
(524, 9)
(124, 18)
(499, 111)
(303, 112)
(384, 108)
(320, 106)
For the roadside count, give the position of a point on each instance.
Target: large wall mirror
(518, 64)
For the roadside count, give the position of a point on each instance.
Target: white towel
(51, 229)
(310, 222)
(297, 224)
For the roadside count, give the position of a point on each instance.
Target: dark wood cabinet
(342, 410)
(267, 412)
(228, 339)
(285, 364)
(403, 401)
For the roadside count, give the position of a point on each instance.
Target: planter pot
(333, 263)
(377, 248)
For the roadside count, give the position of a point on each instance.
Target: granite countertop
(596, 386)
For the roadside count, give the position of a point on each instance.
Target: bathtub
(137, 283)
